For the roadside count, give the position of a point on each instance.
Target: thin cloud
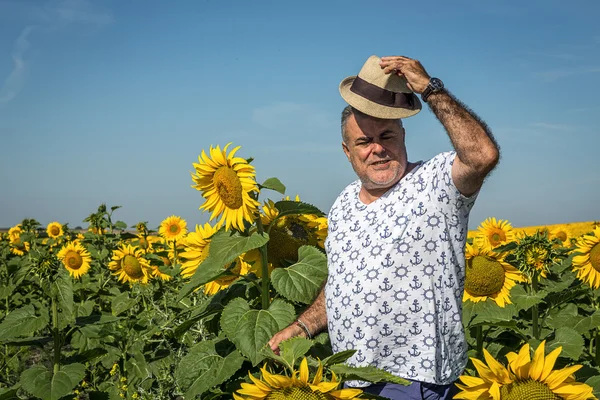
(555, 74)
(14, 81)
(67, 12)
(55, 14)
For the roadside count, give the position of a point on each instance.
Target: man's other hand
(285, 334)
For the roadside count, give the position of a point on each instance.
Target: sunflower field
(117, 312)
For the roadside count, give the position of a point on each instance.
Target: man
(395, 246)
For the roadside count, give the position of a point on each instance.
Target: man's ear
(346, 150)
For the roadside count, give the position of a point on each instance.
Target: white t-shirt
(396, 275)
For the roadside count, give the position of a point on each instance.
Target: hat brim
(373, 109)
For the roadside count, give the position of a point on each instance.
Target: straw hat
(378, 94)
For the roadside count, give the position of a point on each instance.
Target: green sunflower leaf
(566, 316)
(293, 349)
(9, 393)
(489, 312)
(283, 312)
(288, 207)
(23, 322)
(588, 323)
(224, 249)
(6, 290)
(302, 281)
(62, 291)
(273, 184)
(42, 383)
(122, 303)
(203, 368)
(137, 368)
(570, 340)
(523, 300)
(370, 374)
(120, 225)
(338, 358)
(250, 329)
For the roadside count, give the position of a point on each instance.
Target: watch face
(436, 84)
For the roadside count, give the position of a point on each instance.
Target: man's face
(375, 148)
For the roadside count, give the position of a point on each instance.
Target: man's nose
(377, 147)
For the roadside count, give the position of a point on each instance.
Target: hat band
(381, 96)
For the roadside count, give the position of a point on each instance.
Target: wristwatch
(435, 85)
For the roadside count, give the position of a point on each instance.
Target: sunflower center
(496, 237)
(529, 389)
(55, 231)
(132, 267)
(282, 248)
(595, 257)
(536, 256)
(73, 259)
(485, 276)
(229, 187)
(298, 393)
(562, 235)
(299, 231)
(174, 229)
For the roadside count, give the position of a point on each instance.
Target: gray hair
(346, 113)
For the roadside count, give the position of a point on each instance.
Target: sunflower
(54, 230)
(161, 275)
(288, 233)
(196, 249)
(587, 258)
(75, 258)
(297, 386)
(493, 233)
(240, 268)
(489, 276)
(129, 264)
(523, 379)
(535, 254)
(319, 227)
(18, 247)
(226, 182)
(562, 233)
(15, 232)
(173, 229)
(146, 243)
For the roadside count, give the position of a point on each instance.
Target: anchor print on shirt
(385, 352)
(388, 261)
(420, 211)
(385, 285)
(386, 233)
(417, 235)
(366, 241)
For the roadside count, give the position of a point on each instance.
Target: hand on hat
(416, 77)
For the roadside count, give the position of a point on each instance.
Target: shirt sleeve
(443, 190)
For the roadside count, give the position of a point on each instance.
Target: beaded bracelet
(304, 327)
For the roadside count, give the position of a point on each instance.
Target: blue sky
(112, 101)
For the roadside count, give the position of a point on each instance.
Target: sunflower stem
(265, 266)
(56, 335)
(535, 310)
(479, 341)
